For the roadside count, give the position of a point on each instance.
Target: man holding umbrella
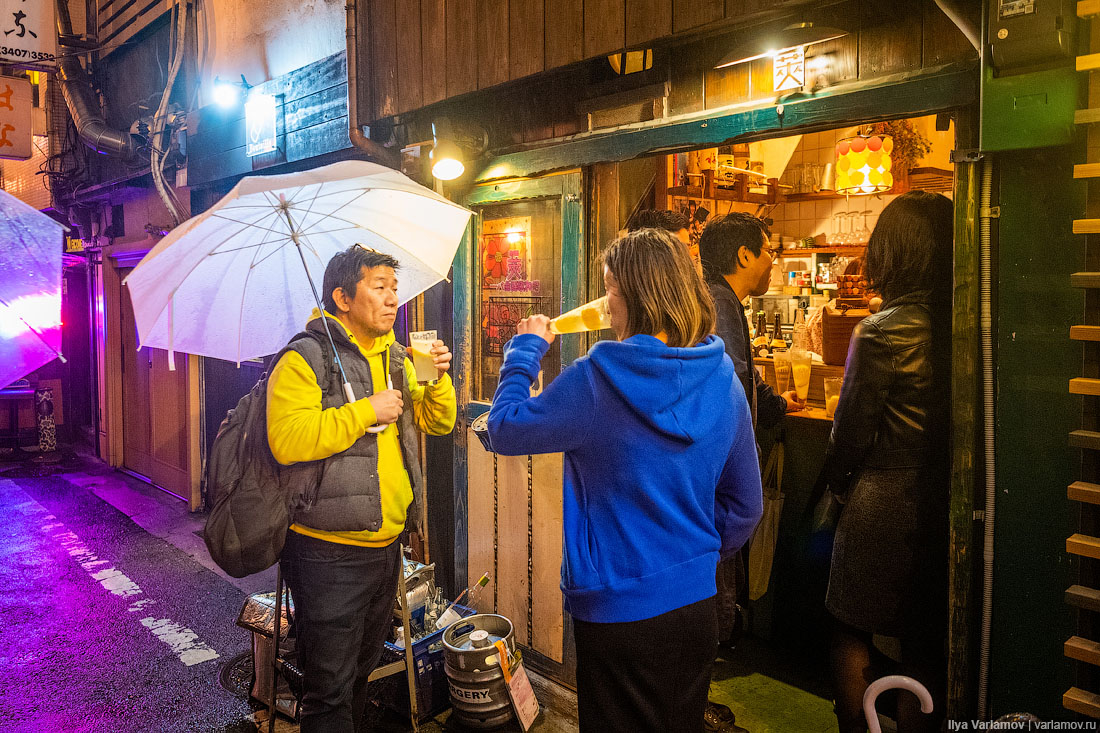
(342, 555)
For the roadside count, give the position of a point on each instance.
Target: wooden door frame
(109, 342)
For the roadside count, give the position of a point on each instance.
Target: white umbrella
(237, 281)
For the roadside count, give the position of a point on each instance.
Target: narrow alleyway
(105, 626)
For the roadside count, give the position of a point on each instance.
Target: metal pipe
(374, 151)
(80, 98)
(989, 426)
(957, 13)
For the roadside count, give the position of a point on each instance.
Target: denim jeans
(343, 605)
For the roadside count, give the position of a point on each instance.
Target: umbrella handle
(372, 428)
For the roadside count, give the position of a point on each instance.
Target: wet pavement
(113, 617)
(103, 626)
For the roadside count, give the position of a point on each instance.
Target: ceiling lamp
(863, 165)
(445, 156)
(768, 45)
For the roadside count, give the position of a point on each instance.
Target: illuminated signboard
(259, 118)
(789, 69)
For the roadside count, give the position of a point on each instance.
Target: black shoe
(720, 719)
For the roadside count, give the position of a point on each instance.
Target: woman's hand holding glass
(538, 325)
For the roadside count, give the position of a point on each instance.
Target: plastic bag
(762, 543)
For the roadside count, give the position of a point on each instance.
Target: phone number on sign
(22, 53)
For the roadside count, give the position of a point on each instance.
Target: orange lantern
(863, 165)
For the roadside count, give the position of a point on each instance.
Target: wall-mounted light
(229, 93)
(768, 45)
(447, 157)
(863, 165)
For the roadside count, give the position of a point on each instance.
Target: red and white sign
(16, 103)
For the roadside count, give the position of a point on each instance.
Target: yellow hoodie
(299, 430)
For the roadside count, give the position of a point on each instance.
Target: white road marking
(183, 642)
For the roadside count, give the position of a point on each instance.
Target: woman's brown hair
(662, 290)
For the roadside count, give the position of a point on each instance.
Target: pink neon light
(39, 312)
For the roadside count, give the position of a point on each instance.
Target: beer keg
(476, 682)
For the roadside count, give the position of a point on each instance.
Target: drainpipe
(958, 12)
(76, 87)
(373, 150)
(985, 249)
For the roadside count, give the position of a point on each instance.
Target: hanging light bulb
(863, 165)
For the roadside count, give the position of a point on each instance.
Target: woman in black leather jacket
(888, 458)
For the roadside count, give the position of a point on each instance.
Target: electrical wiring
(157, 155)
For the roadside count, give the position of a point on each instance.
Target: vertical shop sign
(16, 102)
(259, 121)
(789, 69)
(27, 32)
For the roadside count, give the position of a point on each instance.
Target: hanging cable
(160, 146)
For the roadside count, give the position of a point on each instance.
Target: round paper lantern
(866, 164)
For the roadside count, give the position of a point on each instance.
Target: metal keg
(474, 676)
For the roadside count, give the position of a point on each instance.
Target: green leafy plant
(910, 145)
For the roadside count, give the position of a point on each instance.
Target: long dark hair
(911, 249)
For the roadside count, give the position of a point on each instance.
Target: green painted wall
(1034, 255)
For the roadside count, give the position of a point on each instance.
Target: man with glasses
(737, 263)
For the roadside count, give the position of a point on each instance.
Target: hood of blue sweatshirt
(668, 388)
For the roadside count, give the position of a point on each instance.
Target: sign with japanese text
(260, 124)
(789, 69)
(27, 32)
(16, 102)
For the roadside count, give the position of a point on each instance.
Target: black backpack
(252, 495)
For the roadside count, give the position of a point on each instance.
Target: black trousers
(343, 604)
(646, 676)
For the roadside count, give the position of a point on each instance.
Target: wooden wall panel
(844, 52)
(433, 45)
(727, 86)
(547, 612)
(688, 14)
(481, 530)
(647, 20)
(526, 37)
(410, 73)
(513, 548)
(889, 37)
(943, 41)
(492, 42)
(461, 55)
(564, 32)
(604, 27)
(383, 43)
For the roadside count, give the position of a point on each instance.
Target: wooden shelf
(1084, 386)
(1083, 545)
(1088, 439)
(853, 249)
(1084, 333)
(818, 196)
(738, 192)
(1087, 599)
(1082, 701)
(1083, 650)
(1084, 491)
(1085, 280)
(1087, 170)
(1088, 8)
(1086, 116)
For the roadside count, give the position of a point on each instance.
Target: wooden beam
(1083, 545)
(898, 95)
(1088, 8)
(1086, 226)
(1083, 650)
(1084, 386)
(1085, 280)
(1084, 491)
(1088, 439)
(1086, 116)
(1087, 599)
(1086, 170)
(1082, 701)
(1084, 333)
(1088, 62)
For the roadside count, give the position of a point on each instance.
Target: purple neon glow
(30, 289)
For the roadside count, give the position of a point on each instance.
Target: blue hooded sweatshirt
(661, 470)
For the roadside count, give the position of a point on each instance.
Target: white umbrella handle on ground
(892, 682)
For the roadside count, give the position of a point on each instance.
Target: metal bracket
(989, 212)
(979, 515)
(969, 155)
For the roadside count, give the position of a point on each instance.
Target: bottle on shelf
(761, 343)
(799, 334)
(778, 343)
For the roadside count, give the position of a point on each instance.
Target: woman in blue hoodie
(661, 477)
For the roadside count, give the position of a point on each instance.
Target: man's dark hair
(911, 247)
(724, 236)
(670, 221)
(345, 270)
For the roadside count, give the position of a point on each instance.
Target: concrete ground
(113, 617)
